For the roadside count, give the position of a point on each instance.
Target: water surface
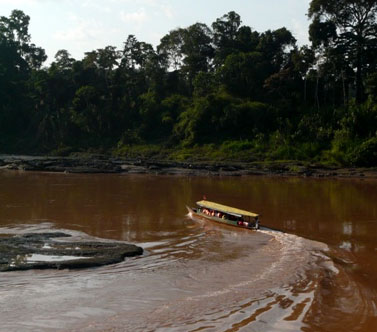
(196, 276)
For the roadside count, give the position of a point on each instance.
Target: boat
(225, 215)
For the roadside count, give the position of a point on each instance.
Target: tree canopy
(257, 93)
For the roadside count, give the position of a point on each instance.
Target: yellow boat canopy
(225, 209)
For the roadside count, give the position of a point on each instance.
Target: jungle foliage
(222, 91)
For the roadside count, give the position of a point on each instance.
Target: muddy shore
(103, 164)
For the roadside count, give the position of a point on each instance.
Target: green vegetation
(224, 92)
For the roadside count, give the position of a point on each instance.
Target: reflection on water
(196, 275)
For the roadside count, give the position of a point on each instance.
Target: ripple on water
(214, 279)
(253, 288)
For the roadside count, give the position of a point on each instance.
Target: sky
(81, 26)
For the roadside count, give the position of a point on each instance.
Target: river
(318, 274)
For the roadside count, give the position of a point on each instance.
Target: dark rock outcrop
(53, 251)
(102, 164)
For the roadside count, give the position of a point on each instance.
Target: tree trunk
(345, 102)
(305, 87)
(359, 77)
(317, 92)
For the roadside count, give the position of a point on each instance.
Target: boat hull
(193, 212)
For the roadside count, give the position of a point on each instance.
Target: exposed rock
(46, 251)
(99, 164)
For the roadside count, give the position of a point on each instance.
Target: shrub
(366, 153)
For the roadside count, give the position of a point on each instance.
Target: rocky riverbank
(102, 164)
(49, 251)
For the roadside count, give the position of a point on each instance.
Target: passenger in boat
(213, 213)
(256, 223)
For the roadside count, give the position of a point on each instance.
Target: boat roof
(226, 209)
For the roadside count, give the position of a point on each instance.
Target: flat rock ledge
(49, 251)
(104, 164)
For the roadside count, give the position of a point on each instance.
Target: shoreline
(113, 165)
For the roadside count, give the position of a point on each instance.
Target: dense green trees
(18, 58)
(347, 30)
(225, 85)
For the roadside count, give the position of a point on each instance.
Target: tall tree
(350, 27)
(275, 45)
(16, 30)
(170, 48)
(18, 57)
(136, 53)
(188, 49)
(197, 49)
(225, 32)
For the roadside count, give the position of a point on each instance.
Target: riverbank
(103, 164)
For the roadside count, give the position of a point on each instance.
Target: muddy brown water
(319, 275)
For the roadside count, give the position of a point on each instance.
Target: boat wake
(207, 277)
(244, 280)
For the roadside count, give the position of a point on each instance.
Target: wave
(205, 277)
